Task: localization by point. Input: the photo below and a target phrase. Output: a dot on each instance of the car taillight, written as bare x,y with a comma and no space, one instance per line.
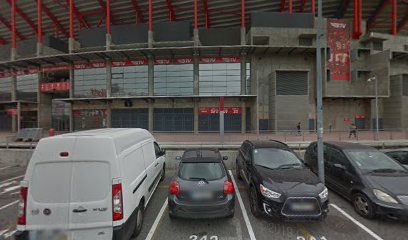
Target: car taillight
228,187
174,188
22,206
117,202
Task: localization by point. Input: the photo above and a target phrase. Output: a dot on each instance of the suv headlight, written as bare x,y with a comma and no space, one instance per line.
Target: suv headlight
324,194
269,193
382,196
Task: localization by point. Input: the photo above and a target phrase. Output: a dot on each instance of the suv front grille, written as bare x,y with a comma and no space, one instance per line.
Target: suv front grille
301,207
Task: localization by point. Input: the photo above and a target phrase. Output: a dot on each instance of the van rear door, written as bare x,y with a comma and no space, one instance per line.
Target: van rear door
91,190
49,177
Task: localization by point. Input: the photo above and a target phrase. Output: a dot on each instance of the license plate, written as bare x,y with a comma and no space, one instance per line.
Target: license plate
303,207
202,195
50,235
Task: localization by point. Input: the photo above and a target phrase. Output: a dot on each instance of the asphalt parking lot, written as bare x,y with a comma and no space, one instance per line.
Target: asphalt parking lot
342,222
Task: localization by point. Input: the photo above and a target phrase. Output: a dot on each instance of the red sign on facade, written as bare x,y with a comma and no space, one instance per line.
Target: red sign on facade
215,110
90,65
137,62
338,41
55,68
205,60
5,74
55,86
11,111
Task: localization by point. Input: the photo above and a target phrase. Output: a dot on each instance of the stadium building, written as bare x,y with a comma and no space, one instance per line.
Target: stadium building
164,64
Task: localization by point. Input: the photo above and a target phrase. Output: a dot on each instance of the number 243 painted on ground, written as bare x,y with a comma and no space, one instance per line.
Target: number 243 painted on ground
205,237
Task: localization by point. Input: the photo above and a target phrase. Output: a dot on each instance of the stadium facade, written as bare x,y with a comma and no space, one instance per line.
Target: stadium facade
163,65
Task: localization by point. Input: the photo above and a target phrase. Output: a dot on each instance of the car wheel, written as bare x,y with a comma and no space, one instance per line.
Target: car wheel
238,171
163,174
231,215
363,205
253,201
139,220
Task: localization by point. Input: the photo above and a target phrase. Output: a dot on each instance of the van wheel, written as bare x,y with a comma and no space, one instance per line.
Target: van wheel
139,220
363,206
163,176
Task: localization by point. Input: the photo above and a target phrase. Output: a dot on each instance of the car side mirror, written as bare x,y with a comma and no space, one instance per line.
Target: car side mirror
340,166
225,158
178,158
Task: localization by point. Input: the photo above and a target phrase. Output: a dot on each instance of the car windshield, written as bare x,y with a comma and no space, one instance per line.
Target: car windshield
273,158
201,154
204,171
375,161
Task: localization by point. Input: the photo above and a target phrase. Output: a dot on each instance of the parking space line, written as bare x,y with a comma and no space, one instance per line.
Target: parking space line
11,179
157,221
9,205
356,222
304,231
4,168
244,212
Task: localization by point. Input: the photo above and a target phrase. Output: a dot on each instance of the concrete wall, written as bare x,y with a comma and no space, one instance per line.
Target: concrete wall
220,36
394,105
15,157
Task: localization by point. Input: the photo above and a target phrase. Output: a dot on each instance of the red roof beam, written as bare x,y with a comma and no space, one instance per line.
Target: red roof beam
283,5
54,20
172,16
403,22
302,5
25,17
2,41
8,25
79,15
394,27
207,14
104,7
139,13
92,12
381,6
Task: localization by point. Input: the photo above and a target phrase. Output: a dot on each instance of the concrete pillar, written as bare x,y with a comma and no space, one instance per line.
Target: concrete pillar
13,54
44,107
71,95
108,41
108,115
243,74
243,36
108,78
13,98
196,67
151,75
195,116
40,49
150,116
150,39
18,116
196,38
243,117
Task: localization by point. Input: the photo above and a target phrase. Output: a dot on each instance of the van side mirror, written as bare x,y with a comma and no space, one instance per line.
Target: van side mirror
225,158
178,158
162,152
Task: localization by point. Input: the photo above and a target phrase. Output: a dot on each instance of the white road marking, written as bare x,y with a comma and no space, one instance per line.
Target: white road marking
4,168
244,212
10,189
11,179
157,221
9,205
7,184
10,234
15,193
356,222
2,232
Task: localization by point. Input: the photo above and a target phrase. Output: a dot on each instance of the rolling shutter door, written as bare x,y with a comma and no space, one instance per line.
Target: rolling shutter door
291,83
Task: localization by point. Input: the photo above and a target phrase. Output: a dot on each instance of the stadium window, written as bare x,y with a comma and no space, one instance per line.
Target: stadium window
130,81
220,79
27,87
90,83
174,80
5,89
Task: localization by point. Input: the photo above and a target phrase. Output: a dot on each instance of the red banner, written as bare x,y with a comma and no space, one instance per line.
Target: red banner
90,65
338,40
11,111
55,68
205,60
184,61
55,86
5,74
215,110
126,63
163,61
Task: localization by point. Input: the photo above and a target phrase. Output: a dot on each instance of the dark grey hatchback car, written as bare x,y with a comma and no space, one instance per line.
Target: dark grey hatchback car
202,187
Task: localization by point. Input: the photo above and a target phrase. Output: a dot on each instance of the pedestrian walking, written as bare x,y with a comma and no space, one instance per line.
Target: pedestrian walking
299,129
353,130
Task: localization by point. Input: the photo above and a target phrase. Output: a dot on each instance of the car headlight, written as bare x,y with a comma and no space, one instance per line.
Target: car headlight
269,193
324,194
384,196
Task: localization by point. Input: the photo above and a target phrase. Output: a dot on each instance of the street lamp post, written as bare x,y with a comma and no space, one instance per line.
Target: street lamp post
377,124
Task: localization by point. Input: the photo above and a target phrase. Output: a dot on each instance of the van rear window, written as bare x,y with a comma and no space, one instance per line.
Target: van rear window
51,182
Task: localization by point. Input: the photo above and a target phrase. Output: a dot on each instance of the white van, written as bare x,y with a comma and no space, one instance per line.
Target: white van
90,185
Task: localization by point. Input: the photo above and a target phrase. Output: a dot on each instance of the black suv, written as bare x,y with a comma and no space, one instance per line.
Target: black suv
280,185
372,181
